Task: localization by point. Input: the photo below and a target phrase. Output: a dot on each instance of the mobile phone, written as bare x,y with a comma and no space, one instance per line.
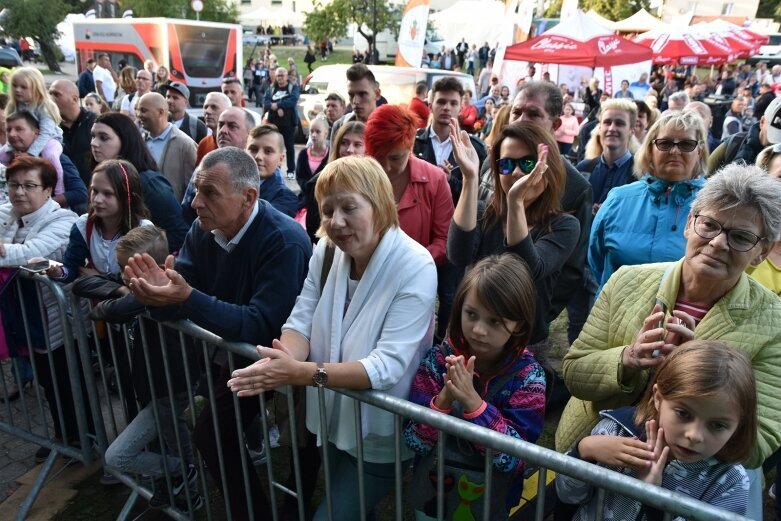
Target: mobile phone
657,352
39,266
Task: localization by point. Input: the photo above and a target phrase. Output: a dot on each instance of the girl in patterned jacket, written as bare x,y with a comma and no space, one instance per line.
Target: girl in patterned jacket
490,326
700,421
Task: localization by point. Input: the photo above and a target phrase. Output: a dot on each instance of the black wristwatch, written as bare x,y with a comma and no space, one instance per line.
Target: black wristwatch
320,378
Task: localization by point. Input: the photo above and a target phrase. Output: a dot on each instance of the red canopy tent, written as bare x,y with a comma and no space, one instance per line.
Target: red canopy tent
744,42
579,40
686,46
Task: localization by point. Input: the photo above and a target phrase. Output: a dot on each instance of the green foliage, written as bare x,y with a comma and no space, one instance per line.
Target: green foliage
213,10
553,10
613,10
769,9
331,20
38,20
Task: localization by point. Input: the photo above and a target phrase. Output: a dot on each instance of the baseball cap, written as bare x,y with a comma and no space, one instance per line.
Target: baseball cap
773,121
179,87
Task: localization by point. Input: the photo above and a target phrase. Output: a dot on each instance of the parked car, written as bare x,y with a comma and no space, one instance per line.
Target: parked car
9,58
397,85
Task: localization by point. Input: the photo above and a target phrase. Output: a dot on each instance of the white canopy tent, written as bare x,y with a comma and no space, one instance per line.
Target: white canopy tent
601,20
640,22
476,20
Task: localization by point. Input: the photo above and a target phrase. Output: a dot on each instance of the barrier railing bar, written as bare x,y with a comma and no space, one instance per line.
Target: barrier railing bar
542,478
217,436
441,475
241,440
267,451
37,485
294,449
657,497
600,504
397,466
359,453
326,458
489,475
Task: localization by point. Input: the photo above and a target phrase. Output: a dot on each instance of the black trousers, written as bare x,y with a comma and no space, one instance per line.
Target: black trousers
289,133
231,447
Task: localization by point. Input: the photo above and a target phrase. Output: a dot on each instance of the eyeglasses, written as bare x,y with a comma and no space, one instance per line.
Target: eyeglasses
507,165
738,240
26,187
685,145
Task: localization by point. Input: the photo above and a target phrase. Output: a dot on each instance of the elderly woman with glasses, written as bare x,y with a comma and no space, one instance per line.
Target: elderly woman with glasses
643,222
644,312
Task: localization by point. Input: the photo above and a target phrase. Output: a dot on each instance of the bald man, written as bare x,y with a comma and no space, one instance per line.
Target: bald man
214,105
76,126
707,117
172,149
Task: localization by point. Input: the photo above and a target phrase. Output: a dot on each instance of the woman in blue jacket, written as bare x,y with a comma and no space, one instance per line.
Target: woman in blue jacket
643,222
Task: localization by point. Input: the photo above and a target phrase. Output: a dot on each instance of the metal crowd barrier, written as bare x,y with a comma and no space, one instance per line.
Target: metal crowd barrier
112,405
32,418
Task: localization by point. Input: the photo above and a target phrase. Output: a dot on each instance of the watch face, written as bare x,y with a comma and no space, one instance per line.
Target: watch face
320,377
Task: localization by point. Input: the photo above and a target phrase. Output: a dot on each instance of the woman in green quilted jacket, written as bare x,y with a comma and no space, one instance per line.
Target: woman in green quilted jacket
644,312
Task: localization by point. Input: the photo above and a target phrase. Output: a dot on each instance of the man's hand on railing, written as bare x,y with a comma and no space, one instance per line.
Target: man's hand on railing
154,286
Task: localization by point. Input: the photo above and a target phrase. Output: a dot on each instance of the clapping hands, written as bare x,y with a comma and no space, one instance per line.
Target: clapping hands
459,384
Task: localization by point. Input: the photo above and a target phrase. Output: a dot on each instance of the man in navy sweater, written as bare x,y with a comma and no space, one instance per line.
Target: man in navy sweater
238,274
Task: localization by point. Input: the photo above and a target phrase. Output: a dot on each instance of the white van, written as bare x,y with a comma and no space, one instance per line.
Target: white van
397,85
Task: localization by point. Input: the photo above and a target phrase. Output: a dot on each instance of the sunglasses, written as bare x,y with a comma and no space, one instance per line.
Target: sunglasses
686,145
507,165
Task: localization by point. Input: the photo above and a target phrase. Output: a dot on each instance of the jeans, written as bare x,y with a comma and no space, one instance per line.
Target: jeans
378,481
289,134
127,452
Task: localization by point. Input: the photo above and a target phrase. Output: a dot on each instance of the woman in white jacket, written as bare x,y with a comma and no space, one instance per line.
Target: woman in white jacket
366,329
32,225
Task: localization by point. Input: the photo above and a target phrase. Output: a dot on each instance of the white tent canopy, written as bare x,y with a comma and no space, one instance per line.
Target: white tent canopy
265,16
640,22
601,20
476,20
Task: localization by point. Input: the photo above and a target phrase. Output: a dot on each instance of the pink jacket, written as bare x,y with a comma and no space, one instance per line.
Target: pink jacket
426,207
568,130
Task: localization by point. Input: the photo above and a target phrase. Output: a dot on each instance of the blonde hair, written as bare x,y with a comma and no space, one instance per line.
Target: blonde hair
39,96
365,176
594,146
685,121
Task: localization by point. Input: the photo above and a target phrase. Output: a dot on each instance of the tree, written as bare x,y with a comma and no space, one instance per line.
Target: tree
213,10
36,19
331,20
613,10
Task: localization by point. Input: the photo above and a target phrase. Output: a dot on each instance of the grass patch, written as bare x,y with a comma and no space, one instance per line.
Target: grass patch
297,52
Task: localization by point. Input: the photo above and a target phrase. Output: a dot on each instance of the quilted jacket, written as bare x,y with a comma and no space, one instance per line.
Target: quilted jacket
747,318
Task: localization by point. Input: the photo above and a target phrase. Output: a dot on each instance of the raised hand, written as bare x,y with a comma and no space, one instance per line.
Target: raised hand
616,451
463,152
649,339
528,187
461,384
655,471
154,286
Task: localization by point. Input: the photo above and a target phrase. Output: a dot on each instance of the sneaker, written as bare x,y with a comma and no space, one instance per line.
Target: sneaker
197,502
42,454
772,491
109,479
160,498
178,483
258,457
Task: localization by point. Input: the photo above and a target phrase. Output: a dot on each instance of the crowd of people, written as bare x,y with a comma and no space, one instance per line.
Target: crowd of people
425,252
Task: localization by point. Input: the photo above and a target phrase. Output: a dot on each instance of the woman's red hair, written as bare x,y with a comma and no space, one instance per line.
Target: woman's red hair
389,127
